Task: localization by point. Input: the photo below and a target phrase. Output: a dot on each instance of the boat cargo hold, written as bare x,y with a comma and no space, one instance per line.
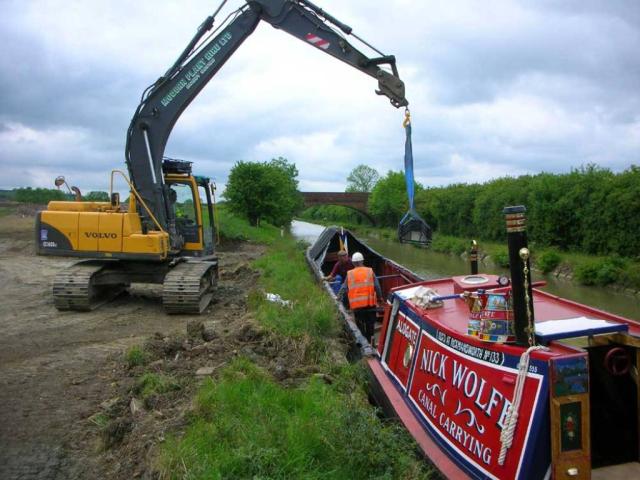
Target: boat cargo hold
495,378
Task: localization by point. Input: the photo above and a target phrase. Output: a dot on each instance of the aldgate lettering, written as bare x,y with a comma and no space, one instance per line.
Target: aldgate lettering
100,235
405,330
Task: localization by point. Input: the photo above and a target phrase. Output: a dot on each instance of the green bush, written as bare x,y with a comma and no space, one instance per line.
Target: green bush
630,276
135,356
388,201
501,257
608,273
548,261
154,384
447,244
600,272
587,273
264,191
39,195
459,246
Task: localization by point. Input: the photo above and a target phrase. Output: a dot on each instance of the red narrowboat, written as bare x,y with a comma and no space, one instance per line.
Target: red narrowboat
493,377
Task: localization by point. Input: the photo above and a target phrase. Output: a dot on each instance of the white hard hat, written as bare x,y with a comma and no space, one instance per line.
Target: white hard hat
357,257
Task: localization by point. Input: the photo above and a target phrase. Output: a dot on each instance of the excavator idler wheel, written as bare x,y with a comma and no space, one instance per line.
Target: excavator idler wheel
75,288
188,287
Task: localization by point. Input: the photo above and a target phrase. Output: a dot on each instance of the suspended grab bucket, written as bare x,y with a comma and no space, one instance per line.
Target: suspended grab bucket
412,228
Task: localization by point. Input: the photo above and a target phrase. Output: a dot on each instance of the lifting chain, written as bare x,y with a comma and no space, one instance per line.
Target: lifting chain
524,255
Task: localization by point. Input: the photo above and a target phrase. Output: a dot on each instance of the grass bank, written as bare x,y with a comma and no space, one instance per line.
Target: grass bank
247,424
236,229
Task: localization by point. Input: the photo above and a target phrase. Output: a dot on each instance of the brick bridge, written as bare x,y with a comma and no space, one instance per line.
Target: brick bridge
358,201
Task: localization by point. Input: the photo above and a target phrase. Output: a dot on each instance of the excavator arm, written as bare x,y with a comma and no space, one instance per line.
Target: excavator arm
164,101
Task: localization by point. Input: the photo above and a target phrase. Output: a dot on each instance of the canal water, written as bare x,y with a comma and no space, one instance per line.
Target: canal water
431,265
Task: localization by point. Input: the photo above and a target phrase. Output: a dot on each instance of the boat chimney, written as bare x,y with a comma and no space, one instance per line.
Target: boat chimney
473,257
522,296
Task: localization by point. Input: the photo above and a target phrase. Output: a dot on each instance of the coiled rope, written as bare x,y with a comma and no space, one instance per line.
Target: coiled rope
506,436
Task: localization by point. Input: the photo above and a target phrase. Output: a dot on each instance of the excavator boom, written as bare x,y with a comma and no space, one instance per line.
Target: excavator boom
165,100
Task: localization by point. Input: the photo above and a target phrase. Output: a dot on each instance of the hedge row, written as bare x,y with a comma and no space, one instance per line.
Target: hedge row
591,209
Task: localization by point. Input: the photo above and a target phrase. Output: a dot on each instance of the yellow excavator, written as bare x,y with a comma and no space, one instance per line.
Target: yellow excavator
165,232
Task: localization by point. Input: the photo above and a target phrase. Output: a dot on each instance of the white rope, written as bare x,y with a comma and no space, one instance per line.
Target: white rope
506,436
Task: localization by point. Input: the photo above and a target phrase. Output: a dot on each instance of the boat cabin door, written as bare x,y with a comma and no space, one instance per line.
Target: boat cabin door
595,398
614,395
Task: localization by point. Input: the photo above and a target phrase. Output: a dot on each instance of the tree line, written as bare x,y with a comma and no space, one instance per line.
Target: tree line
43,196
589,209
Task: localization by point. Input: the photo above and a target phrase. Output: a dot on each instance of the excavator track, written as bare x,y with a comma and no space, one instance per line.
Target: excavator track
75,288
188,287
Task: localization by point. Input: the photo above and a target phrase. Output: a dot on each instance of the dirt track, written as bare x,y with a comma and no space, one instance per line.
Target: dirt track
56,368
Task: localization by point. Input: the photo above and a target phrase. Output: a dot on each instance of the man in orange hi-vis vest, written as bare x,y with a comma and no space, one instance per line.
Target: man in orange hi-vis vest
363,290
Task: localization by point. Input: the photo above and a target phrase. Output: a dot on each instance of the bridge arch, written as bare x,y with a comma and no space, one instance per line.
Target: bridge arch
358,201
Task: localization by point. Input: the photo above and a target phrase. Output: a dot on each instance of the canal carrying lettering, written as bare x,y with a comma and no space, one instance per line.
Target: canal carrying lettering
473,386
465,399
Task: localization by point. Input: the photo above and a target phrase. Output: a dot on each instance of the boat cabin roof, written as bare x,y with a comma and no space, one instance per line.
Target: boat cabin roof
555,317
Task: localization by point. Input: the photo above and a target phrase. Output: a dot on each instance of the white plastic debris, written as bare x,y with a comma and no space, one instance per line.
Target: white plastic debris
424,297
275,298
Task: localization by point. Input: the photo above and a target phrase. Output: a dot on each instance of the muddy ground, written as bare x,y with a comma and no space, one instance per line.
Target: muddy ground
66,408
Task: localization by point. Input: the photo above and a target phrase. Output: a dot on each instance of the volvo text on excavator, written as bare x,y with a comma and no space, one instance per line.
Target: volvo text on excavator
165,233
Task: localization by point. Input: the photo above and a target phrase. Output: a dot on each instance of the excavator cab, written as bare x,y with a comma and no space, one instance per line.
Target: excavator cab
189,199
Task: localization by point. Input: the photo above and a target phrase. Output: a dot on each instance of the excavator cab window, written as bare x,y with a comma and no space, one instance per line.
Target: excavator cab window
207,217
185,212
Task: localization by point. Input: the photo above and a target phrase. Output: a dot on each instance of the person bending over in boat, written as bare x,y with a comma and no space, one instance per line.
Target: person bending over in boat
362,289
342,266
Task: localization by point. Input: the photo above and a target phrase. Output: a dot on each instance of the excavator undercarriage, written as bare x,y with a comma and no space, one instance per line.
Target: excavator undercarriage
187,287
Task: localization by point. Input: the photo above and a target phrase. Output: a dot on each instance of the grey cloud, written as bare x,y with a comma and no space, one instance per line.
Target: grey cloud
576,60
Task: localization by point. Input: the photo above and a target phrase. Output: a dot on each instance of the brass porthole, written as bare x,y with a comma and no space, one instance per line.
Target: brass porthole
408,353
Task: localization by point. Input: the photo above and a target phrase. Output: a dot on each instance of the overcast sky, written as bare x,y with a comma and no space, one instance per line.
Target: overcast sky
496,88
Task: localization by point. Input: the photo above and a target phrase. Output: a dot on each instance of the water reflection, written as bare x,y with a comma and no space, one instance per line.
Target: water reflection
432,265
306,231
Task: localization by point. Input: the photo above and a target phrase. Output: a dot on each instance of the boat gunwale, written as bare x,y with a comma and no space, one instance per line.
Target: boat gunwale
366,349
